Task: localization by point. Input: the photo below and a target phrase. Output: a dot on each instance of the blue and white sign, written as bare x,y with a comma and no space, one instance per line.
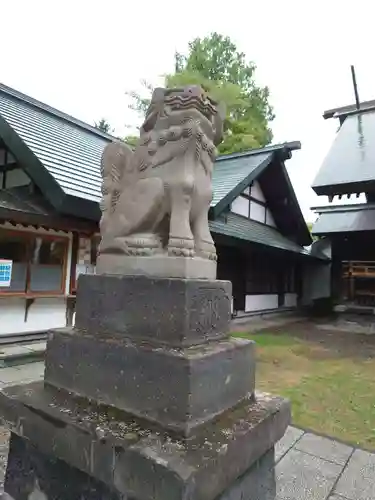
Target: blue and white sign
5,272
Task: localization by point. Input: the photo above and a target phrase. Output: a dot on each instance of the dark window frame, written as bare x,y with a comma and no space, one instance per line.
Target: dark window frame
258,202
29,238
267,275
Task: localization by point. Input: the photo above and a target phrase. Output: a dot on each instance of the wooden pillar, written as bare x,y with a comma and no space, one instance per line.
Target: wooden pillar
70,301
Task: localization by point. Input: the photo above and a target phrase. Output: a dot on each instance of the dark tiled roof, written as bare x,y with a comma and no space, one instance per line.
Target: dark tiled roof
347,218
20,200
321,248
229,173
240,227
20,205
350,163
70,150
234,172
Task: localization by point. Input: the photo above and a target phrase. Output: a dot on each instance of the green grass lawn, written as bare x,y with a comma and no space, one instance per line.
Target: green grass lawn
331,392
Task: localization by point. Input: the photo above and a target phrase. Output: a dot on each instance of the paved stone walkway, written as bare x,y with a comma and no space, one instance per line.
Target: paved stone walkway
308,466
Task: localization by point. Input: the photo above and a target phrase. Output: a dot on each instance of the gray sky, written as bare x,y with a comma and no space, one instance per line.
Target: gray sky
81,56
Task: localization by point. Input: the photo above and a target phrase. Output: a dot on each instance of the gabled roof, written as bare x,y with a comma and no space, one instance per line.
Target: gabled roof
234,172
232,175
283,204
349,166
60,153
62,156
249,230
345,218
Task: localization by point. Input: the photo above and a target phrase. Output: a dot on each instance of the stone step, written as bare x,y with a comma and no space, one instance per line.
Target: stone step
20,354
23,338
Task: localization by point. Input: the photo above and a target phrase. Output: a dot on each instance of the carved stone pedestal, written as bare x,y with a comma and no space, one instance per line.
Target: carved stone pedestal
147,398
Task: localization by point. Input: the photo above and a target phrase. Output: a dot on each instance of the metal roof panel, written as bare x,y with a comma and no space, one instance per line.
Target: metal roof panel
351,159
345,221
229,173
69,152
250,230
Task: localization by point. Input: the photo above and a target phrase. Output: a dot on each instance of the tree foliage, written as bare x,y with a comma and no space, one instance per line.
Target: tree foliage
310,226
104,126
215,63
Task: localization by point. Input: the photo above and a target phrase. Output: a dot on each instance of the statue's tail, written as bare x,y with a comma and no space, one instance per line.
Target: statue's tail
116,163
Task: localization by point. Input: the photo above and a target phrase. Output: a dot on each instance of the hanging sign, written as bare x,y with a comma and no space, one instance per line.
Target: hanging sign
5,272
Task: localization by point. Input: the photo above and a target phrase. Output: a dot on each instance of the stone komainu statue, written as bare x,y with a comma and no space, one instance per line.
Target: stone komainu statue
156,198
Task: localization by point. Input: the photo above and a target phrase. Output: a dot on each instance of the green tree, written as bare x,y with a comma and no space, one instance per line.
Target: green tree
104,126
215,63
131,140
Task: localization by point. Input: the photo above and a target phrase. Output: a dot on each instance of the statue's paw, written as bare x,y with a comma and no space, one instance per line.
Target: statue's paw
181,247
213,256
208,255
143,244
180,252
141,252
206,249
181,243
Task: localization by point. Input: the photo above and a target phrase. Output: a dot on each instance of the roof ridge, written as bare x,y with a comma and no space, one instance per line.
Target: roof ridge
53,111
293,145
348,109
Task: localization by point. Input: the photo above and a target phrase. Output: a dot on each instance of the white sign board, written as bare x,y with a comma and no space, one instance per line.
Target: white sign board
5,272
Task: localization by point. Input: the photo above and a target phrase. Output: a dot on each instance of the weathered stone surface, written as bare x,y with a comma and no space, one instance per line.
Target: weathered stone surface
177,388
32,475
172,311
258,483
30,472
156,199
142,464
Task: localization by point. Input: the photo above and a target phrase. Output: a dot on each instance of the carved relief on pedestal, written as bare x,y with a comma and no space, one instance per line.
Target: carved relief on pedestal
156,198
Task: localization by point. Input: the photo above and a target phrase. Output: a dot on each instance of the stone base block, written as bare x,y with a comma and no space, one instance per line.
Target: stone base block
121,459
31,474
175,312
157,265
178,389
